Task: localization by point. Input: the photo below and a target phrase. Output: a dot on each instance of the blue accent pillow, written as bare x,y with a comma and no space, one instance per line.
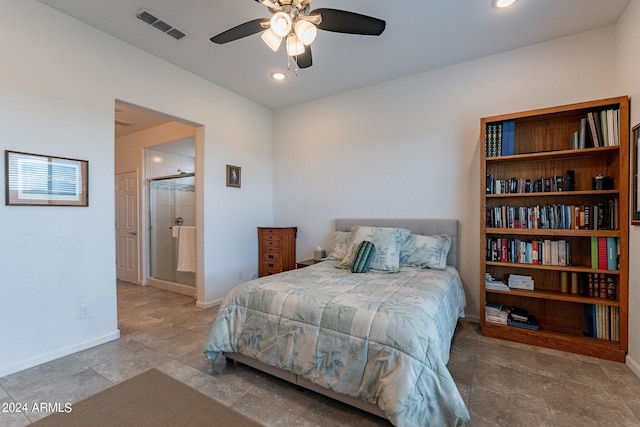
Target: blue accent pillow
363,257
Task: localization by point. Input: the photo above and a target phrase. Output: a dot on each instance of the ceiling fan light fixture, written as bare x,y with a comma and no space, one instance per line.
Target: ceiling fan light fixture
504,3
271,39
306,32
294,45
281,24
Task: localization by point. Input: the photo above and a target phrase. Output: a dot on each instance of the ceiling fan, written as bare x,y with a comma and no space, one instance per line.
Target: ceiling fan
293,21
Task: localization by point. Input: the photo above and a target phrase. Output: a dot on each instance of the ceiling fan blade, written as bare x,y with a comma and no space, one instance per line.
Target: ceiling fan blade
304,60
341,21
240,31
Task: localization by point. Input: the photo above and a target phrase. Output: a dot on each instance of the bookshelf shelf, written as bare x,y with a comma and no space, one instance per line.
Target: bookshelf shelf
552,233
568,268
558,296
524,152
555,154
550,194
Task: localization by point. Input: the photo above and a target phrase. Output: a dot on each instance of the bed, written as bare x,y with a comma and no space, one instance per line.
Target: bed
378,341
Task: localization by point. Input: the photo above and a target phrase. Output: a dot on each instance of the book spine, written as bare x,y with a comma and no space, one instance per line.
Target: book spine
604,127
612,253
594,253
602,280
611,287
498,134
602,253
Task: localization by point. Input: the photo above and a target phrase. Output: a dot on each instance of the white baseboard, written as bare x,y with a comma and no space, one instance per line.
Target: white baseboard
633,365
209,304
172,287
58,353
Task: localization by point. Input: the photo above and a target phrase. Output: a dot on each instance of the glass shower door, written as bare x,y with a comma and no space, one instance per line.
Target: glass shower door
171,203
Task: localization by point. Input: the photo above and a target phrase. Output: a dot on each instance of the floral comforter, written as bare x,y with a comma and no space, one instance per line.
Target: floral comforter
384,338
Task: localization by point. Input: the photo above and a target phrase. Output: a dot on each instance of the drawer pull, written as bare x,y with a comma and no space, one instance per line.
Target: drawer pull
270,256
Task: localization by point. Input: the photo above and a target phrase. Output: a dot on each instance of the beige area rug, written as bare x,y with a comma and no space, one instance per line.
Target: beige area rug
149,399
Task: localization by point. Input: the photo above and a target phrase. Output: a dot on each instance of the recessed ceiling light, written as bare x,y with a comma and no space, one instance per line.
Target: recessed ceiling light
278,76
504,3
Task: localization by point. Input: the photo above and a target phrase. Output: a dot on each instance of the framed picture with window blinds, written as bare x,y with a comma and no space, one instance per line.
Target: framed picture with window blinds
42,180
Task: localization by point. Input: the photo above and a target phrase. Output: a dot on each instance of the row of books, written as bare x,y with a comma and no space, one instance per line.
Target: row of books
599,216
530,185
500,138
603,128
600,285
540,251
531,217
605,253
597,129
602,322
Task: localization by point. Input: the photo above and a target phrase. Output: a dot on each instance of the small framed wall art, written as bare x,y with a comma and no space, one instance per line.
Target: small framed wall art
39,180
233,176
635,177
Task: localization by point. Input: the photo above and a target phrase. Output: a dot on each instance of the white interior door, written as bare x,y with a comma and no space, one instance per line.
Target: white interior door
127,247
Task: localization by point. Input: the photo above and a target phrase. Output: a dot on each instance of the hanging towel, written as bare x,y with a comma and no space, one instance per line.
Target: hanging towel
175,230
187,249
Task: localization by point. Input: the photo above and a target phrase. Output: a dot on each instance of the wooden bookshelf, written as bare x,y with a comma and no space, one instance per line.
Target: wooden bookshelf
542,147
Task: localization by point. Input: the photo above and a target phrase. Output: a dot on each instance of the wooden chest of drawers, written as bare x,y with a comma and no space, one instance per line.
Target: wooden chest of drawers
276,249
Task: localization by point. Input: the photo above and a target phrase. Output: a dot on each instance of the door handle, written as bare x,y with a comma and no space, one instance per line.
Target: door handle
133,233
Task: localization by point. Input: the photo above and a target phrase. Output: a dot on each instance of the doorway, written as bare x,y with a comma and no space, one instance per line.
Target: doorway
142,138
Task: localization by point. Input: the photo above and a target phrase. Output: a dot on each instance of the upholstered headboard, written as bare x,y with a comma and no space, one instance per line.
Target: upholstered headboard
424,227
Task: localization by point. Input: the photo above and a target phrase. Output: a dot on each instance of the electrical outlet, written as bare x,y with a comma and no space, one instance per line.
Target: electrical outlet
241,275
85,311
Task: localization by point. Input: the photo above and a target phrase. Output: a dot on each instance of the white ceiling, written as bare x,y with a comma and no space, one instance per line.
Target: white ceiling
130,119
420,35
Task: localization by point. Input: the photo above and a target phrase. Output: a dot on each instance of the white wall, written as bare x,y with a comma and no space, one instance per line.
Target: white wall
58,84
410,148
628,67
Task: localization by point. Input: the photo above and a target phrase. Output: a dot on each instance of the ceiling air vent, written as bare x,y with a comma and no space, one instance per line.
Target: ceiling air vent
150,19
177,34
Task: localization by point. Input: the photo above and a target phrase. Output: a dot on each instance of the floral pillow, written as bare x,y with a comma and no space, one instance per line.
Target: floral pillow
341,240
426,251
387,241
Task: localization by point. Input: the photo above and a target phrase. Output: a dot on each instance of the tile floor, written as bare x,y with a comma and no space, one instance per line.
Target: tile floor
503,383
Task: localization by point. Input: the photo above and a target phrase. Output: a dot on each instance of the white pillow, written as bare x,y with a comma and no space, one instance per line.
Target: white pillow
341,240
426,251
387,242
